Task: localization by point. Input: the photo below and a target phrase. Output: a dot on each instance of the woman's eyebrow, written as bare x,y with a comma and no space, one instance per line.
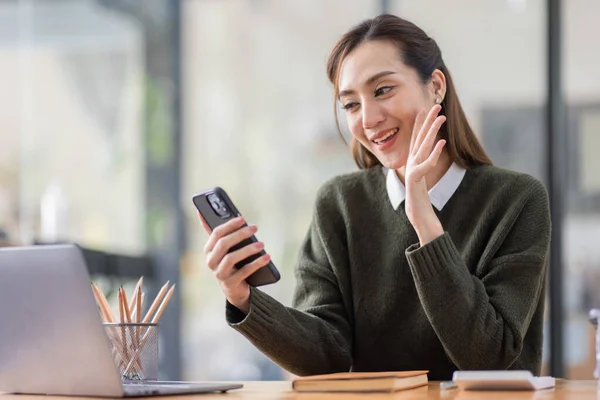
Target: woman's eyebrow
378,76
367,82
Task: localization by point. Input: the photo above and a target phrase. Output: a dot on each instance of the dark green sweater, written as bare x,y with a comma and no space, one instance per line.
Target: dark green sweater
369,298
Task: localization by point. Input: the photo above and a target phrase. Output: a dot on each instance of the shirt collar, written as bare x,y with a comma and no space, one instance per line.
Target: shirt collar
439,194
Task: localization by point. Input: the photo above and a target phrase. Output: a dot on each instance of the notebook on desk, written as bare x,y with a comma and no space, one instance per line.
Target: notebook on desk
52,338
358,382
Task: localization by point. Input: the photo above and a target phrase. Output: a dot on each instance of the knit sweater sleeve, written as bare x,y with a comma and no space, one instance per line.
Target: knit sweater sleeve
314,336
482,318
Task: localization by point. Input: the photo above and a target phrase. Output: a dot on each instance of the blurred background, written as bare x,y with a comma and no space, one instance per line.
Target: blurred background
113,113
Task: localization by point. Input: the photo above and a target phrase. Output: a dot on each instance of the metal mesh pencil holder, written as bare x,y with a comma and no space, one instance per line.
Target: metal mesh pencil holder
134,347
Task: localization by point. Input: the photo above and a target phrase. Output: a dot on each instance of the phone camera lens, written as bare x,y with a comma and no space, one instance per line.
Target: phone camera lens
218,205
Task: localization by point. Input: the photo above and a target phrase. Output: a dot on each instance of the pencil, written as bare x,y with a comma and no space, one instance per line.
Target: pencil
155,303
163,305
129,329
117,344
132,342
122,321
103,303
138,288
134,313
121,308
103,313
138,315
146,336
126,306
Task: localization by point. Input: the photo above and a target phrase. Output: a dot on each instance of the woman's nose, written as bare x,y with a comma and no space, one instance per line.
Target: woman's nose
372,115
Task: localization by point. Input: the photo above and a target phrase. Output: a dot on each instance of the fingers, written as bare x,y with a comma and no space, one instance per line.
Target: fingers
419,120
437,151
243,273
222,261
226,243
423,169
221,231
220,250
425,127
227,265
425,149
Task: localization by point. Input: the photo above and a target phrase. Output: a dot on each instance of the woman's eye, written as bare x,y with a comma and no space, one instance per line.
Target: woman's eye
383,90
349,106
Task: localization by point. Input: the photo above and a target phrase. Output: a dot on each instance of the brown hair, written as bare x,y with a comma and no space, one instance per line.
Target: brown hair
420,52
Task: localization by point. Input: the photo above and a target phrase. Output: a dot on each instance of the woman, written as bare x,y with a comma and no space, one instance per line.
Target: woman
427,258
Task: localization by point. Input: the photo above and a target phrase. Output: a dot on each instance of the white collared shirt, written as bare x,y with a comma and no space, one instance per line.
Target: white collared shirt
438,194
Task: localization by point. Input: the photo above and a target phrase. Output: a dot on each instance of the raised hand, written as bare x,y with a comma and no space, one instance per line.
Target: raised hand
422,159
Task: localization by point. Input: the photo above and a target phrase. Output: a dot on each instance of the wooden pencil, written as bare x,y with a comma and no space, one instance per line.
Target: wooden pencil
103,312
155,320
121,306
126,306
103,303
138,288
163,305
117,343
156,303
138,314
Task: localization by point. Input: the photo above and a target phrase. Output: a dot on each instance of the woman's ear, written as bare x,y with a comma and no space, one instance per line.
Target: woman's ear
438,85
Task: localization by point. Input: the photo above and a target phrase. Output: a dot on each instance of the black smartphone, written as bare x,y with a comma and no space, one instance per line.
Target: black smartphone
217,208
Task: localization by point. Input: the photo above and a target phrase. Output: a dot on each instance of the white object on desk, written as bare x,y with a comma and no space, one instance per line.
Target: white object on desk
501,380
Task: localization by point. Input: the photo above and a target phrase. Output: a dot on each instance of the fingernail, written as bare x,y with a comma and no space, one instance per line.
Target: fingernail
260,245
253,228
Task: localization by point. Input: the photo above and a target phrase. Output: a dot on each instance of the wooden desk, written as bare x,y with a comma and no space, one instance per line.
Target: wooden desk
564,390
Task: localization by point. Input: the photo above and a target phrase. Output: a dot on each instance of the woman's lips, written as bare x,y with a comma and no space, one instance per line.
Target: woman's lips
387,140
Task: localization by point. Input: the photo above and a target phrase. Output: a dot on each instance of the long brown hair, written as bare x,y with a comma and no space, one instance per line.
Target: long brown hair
420,52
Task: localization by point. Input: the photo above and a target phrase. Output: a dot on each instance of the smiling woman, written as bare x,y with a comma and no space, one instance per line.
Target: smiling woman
411,72
427,258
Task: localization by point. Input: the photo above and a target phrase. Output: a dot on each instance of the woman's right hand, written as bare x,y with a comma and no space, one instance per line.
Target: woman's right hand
222,263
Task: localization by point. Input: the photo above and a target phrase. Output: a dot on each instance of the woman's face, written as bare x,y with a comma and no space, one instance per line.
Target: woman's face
381,97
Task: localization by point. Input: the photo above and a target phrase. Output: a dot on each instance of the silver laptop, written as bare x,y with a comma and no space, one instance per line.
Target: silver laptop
51,336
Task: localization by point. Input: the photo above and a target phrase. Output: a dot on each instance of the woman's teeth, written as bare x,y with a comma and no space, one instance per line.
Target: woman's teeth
387,136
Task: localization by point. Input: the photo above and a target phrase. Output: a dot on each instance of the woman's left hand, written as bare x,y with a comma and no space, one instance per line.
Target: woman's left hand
423,157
